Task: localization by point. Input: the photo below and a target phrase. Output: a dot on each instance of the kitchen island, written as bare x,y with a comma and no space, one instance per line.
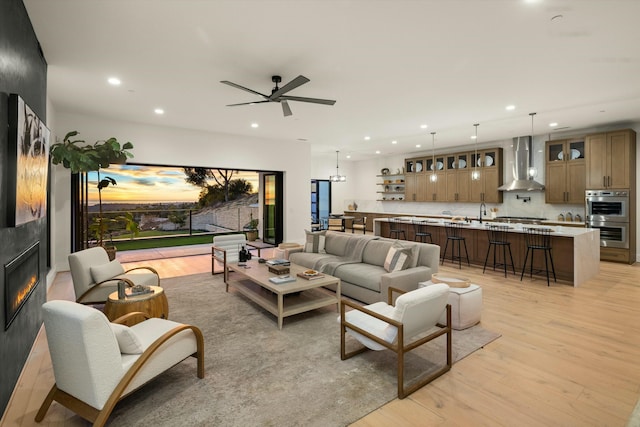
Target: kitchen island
576,250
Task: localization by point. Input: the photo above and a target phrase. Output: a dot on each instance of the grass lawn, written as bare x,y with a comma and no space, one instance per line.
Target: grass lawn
131,245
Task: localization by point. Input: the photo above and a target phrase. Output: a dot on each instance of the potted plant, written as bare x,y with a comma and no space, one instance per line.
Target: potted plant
251,229
76,155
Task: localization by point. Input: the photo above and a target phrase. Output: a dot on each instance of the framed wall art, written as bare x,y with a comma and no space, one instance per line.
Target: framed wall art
28,164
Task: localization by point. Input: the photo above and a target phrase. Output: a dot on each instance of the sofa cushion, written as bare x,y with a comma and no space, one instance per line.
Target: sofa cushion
398,258
315,241
103,272
336,243
376,252
360,274
128,341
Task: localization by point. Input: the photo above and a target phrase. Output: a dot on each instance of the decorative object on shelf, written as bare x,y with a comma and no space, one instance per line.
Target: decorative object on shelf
355,206
385,171
433,176
494,213
337,177
568,217
475,175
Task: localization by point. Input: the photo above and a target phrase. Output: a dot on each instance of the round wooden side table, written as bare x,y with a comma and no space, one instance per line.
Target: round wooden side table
154,304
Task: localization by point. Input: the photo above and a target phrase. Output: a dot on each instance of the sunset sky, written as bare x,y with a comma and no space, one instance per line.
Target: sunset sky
150,184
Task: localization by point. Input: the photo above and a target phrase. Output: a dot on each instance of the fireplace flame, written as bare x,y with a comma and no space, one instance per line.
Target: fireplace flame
24,292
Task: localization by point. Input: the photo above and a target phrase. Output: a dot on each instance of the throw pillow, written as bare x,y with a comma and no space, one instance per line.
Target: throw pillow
398,258
128,341
100,273
315,241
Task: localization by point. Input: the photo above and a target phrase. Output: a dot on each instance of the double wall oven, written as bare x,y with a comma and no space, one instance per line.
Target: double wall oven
608,210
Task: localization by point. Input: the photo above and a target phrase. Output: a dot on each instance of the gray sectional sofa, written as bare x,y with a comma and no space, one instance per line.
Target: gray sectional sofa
358,260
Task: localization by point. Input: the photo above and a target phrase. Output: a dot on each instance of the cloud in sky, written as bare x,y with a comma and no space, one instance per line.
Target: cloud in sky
137,183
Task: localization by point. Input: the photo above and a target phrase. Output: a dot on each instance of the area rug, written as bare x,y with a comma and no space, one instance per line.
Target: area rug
258,375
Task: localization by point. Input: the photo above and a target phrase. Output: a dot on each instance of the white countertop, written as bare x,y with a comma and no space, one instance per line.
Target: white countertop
558,230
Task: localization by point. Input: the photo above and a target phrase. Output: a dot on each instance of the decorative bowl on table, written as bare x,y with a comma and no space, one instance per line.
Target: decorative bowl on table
310,273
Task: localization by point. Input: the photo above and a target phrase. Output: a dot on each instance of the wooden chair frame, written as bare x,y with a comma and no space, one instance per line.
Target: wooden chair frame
398,347
359,224
99,417
219,254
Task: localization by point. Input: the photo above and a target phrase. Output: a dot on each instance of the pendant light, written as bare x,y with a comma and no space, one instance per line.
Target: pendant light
532,172
337,177
433,177
475,175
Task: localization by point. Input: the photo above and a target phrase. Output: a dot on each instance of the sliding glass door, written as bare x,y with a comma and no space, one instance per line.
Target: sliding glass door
272,231
320,200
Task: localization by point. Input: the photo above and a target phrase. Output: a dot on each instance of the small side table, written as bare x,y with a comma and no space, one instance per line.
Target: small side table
258,245
466,305
154,304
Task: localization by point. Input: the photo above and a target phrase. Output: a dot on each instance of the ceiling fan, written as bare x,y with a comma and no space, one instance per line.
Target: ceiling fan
278,94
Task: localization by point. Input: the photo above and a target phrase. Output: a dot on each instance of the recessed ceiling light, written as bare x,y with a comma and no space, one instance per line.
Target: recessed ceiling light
394,142
159,111
418,145
423,126
254,125
377,151
114,81
552,125
510,107
348,156
473,137
366,138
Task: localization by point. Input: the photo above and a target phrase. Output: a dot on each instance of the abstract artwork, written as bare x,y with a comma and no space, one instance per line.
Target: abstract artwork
31,154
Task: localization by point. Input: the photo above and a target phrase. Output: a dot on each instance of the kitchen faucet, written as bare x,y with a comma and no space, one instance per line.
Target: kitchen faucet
482,211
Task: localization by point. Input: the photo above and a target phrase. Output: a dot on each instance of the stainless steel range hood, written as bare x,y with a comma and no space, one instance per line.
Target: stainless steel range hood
521,165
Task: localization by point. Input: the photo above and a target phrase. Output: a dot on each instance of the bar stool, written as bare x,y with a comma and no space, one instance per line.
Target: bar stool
498,237
421,231
538,239
453,230
395,230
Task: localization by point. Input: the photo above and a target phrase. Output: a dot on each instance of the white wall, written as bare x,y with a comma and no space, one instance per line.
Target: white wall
157,145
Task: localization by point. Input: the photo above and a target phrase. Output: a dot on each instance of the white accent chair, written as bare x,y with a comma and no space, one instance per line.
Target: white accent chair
226,249
399,328
95,276
96,363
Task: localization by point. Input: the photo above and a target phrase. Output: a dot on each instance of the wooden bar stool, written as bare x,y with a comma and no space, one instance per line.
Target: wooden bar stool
395,230
498,237
538,239
453,230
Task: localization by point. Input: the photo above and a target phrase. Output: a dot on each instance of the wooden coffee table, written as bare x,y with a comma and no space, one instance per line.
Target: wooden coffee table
253,282
154,304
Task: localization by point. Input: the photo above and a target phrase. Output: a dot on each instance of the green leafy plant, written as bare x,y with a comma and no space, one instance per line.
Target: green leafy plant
80,157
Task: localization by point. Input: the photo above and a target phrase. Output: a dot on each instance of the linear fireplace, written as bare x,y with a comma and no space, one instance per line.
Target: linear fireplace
21,276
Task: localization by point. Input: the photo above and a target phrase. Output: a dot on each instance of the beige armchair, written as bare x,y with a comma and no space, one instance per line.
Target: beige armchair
96,363
399,328
226,249
95,277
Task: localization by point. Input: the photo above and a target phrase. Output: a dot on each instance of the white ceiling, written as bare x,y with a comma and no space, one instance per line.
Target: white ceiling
391,65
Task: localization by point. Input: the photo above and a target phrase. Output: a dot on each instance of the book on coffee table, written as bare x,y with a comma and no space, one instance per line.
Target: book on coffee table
282,279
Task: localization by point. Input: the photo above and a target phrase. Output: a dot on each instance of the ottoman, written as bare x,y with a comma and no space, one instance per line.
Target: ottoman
466,305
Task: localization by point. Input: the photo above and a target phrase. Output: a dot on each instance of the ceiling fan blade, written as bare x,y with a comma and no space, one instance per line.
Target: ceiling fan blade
298,81
303,99
243,88
247,103
285,108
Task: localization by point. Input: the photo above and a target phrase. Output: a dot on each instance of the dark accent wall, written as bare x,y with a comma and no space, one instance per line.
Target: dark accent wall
23,70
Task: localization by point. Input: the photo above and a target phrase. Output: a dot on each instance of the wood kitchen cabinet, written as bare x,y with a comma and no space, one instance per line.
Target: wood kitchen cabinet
436,190
566,171
610,157
489,166
458,176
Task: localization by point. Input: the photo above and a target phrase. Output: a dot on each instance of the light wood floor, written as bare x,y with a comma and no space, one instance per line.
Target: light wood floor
567,357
